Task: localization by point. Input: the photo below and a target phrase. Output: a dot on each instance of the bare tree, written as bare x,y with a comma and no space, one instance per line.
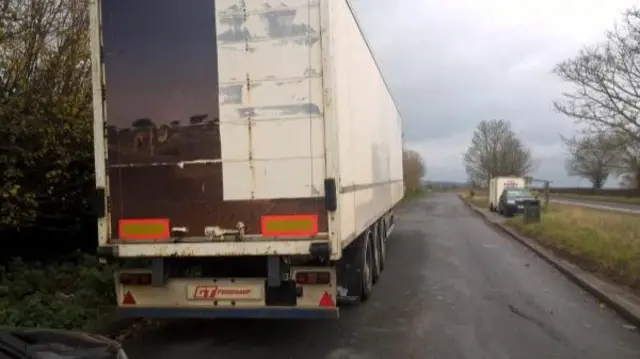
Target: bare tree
629,164
629,181
606,80
606,95
594,157
414,169
495,150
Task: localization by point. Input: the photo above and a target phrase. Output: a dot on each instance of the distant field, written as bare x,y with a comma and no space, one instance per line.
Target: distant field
479,201
615,195
607,192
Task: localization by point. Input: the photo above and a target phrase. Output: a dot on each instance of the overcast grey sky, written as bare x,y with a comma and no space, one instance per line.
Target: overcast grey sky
451,64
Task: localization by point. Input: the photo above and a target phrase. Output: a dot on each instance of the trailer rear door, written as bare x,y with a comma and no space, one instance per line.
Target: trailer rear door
213,117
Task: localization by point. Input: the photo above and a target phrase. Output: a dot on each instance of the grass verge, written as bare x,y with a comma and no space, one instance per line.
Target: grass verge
481,201
603,242
74,294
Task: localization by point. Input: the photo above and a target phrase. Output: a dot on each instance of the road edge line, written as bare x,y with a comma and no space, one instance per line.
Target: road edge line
598,207
608,293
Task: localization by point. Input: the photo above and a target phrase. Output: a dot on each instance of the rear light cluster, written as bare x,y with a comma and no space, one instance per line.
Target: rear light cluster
135,278
313,277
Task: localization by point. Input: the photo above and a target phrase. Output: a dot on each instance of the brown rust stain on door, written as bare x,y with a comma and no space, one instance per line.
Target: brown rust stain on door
163,126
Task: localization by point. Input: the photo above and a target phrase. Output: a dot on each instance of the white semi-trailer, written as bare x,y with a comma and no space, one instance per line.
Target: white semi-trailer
248,155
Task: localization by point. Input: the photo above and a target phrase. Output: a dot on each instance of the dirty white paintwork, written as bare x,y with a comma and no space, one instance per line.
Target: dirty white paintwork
271,125
369,129
178,292
301,100
264,246
99,109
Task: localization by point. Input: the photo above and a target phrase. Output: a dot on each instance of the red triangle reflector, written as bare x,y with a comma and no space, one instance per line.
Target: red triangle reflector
128,298
327,300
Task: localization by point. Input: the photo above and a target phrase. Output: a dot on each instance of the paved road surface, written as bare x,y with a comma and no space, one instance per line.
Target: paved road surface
453,289
617,207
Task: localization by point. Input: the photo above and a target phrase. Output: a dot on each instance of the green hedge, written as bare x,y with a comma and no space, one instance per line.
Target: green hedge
74,294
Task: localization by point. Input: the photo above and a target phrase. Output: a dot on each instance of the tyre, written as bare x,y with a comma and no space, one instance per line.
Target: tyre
375,241
382,244
367,267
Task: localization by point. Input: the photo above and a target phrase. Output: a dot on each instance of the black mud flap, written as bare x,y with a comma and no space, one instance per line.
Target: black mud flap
284,295
350,273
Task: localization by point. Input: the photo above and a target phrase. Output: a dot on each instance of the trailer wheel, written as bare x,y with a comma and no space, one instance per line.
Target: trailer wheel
367,267
375,241
382,243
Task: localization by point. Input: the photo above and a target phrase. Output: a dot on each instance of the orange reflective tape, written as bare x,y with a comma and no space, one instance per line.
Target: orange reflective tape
144,229
290,225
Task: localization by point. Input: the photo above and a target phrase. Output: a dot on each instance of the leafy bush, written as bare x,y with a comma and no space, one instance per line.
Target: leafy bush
75,294
46,168
46,156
